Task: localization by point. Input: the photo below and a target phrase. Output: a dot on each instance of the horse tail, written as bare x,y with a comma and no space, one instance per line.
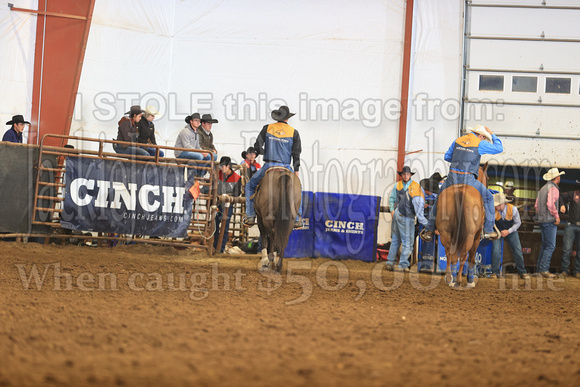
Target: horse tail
284,222
459,236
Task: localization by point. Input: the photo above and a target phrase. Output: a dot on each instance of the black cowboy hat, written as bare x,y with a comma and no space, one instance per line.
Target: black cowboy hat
282,114
208,118
250,150
225,160
135,109
432,183
192,116
406,169
18,119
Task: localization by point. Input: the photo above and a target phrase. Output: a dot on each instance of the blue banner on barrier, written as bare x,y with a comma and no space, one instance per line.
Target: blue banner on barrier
301,242
113,196
482,258
345,226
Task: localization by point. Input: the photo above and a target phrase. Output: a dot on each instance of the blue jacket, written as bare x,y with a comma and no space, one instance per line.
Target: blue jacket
12,135
279,142
465,152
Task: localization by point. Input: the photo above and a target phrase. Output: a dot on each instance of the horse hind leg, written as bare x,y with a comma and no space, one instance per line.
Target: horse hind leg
451,271
460,270
471,269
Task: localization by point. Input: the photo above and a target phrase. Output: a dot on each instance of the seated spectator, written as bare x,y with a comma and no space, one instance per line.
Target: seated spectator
250,165
147,130
14,134
229,183
206,136
129,132
189,138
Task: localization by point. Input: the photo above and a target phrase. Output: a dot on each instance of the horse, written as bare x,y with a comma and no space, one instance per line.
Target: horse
277,202
460,218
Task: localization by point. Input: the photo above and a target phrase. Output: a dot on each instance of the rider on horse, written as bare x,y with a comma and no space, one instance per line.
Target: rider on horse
464,155
280,144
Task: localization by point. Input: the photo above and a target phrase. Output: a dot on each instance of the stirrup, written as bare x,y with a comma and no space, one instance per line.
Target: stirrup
299,224
249,221
426,235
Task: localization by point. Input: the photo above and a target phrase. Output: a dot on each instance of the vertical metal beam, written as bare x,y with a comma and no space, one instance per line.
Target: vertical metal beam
405,86
61,38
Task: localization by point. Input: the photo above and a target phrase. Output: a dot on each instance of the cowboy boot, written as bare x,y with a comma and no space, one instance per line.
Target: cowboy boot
426,235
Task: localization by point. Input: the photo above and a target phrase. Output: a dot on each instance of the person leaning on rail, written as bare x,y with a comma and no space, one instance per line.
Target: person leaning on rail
129,132
464,154
206,135
14,134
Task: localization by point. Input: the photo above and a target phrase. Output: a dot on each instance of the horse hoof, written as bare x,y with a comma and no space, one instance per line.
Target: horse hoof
470,285
264,268
451,284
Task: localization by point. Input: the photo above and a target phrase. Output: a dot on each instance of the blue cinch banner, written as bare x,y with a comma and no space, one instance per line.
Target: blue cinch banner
301,242
345,226
112,196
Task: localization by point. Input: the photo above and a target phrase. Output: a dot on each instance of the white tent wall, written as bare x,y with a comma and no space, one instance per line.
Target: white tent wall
336,64
17,44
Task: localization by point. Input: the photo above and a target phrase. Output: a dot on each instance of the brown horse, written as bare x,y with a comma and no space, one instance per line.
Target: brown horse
460,218
277,203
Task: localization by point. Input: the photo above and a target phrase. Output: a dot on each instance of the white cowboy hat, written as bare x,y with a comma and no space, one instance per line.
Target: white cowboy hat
151,110
552,174
499,198
480,129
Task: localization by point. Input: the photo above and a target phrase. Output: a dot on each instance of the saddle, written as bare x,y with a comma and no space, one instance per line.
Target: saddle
276,168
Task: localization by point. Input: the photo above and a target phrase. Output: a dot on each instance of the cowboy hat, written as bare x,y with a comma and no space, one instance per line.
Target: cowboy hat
282,114
192,116
250,150
552,174
432,183
151,110
135,109
480,129
406,169
499,198
208,118
18,119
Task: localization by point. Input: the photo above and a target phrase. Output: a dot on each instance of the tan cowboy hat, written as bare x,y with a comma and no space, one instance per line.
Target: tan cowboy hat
480,129
498,199
552,174
151,110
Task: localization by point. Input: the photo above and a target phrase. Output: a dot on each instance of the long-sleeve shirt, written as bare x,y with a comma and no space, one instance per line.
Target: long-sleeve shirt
465,152
12,135
419,205
515,216
393,197
279,142
187,138
572,199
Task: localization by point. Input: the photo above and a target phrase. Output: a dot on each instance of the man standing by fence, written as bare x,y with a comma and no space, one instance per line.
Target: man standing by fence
547,211
572,233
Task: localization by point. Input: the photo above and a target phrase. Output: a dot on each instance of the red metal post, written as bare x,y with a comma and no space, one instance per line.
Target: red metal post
62,31
405,86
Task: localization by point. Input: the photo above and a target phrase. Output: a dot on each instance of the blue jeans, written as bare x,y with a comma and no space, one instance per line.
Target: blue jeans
195,156
548,230
151,152
513,241
219,218
253,183
130,150
402,232
571,233
469,179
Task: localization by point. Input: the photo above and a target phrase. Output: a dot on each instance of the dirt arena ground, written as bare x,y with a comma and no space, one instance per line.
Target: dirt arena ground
144,315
